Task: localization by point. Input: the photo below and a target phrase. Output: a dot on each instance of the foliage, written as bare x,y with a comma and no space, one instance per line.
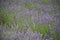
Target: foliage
56,36
5,17
30,5
45,1
43,29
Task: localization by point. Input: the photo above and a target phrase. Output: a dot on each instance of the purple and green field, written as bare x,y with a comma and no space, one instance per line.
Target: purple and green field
29,19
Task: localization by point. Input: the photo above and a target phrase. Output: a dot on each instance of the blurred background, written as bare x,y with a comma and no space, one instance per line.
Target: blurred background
29,19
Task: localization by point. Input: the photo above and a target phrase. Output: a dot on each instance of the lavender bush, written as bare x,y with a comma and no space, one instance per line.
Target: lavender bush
29,20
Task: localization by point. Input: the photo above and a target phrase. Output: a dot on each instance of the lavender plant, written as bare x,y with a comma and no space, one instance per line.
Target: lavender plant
29,23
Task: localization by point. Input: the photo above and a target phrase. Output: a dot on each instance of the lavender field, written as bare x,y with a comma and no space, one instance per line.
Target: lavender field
29,19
